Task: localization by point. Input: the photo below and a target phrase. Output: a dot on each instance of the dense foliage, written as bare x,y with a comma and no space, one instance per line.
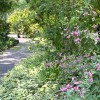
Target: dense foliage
63,78
5,41
66,64
21,22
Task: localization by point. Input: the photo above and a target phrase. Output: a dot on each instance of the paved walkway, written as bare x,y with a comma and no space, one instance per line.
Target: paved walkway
12,56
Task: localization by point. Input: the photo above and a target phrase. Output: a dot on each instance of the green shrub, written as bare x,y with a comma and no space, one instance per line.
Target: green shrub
23,21
8,43
66,65
42,79
5,41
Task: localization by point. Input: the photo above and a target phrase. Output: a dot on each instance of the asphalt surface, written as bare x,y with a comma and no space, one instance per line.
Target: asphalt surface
15,54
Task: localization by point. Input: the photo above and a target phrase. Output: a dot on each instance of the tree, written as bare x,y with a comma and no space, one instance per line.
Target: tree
5,5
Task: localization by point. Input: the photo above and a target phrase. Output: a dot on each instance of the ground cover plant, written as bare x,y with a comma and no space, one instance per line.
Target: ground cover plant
53,76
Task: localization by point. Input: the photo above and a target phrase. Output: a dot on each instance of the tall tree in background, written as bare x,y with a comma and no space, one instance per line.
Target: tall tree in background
5,6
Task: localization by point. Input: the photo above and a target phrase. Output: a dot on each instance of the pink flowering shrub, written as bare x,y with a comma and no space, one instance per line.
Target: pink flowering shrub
73,64
68,62
77,41
74,75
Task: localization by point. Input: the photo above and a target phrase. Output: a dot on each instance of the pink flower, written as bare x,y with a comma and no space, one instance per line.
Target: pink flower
76,88
90,76
98,39
98,67
94,26
77,40
63,89
68,36
77,82
67,87
76,33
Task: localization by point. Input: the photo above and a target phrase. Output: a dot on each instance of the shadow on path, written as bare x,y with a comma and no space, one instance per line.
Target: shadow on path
12,56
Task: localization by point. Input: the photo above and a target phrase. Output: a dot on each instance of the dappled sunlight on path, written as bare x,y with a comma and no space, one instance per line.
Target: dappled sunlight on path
12,56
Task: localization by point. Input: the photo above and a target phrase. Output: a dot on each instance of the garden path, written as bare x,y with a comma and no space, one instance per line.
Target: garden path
12,56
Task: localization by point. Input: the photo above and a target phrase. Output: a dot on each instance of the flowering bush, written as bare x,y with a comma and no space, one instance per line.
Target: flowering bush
64,77
67,63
